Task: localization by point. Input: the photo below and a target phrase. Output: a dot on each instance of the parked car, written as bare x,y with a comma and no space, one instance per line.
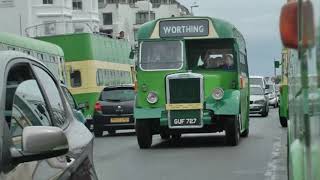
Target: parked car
259,80
114,110
272,94
39,136
259,101
76,109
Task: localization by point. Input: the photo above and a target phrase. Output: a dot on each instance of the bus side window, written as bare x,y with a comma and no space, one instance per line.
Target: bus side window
243,64
11,48
75,78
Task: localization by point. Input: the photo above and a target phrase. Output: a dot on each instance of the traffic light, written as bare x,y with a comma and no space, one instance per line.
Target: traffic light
276,64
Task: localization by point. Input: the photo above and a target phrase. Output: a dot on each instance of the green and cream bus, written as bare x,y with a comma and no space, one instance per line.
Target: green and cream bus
192,77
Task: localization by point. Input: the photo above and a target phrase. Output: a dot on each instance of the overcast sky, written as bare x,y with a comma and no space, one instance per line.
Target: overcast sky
257,20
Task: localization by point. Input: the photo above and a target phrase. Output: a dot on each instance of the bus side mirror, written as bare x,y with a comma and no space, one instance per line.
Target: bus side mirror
289,24
276,64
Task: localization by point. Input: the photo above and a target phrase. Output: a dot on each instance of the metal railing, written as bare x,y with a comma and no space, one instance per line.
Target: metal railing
60,28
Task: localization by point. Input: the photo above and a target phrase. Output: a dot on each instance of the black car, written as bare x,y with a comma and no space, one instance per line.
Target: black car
114,110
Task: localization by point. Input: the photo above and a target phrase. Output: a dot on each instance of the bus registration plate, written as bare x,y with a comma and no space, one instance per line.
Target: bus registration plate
185,119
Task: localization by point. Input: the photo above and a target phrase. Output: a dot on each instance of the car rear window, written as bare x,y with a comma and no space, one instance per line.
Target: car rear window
117,95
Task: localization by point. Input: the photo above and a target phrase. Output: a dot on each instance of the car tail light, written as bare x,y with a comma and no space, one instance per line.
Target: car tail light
98,107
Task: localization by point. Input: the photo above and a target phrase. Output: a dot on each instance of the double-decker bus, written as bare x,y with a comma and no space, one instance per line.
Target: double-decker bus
93,61
300,32
192,77
50,54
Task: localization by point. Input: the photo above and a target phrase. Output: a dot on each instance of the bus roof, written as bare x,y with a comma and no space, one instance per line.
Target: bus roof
223,28
30,44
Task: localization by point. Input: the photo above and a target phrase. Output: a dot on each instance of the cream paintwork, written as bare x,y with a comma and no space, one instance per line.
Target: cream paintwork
88,71
212,31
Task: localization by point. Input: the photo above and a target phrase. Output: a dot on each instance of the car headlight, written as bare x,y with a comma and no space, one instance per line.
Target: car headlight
217,93
152,98
260,102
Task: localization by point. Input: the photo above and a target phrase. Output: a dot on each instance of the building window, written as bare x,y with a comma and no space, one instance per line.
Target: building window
47,1
77,4
75,78
112,1
132,1
142,17
107,18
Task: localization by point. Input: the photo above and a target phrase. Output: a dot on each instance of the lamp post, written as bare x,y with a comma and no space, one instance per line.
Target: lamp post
193,6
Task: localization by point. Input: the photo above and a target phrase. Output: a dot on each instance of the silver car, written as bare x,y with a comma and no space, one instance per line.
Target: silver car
39,136
259,101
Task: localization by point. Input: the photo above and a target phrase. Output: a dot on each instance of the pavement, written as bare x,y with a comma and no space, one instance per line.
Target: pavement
262,155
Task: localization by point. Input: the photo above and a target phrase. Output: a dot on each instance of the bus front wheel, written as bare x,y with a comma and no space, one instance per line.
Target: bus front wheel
144,133
283,121
233,131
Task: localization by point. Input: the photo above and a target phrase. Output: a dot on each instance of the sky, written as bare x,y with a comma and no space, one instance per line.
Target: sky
257,20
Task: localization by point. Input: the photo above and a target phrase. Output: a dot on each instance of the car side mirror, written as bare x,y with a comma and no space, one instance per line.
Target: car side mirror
40,142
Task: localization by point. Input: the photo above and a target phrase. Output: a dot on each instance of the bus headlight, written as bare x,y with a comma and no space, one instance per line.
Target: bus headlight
152,98
217,93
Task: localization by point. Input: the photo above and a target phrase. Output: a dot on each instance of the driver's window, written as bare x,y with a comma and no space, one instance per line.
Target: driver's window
25,105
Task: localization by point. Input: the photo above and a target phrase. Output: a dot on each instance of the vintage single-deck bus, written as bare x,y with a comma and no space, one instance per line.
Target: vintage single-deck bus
299,27
50,54
192,77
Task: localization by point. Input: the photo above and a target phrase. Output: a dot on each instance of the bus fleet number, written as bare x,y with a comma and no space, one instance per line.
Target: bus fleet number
187,121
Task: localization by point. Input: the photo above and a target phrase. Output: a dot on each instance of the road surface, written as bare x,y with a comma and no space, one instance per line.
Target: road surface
196,157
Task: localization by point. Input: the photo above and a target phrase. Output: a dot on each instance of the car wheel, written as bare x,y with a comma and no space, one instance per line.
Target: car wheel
112,132
283,122
144,133
164,136
97,132
232,131
265,112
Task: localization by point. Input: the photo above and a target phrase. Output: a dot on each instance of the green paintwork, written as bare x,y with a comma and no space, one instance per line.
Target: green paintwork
297,160
223,28
90,98
87,46
30,44
233,99
283,106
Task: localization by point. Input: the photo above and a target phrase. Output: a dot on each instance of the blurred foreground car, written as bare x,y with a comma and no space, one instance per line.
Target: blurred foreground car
114,110
259,102
39,136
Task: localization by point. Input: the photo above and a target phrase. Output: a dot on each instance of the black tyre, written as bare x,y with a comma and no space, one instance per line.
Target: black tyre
265,112
97,132
284,122
245,133
112,132
232,131
144,133
176,136
164,136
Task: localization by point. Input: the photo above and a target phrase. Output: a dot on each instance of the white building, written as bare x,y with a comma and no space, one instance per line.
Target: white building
128,15
48,17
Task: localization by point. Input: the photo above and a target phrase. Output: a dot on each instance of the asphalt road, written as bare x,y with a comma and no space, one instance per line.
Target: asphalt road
196,157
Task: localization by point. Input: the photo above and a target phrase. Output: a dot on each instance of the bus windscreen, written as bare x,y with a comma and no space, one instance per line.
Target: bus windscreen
161,55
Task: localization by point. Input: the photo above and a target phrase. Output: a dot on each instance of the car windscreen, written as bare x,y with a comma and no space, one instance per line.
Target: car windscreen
117,95
161,55
256,91
256,81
